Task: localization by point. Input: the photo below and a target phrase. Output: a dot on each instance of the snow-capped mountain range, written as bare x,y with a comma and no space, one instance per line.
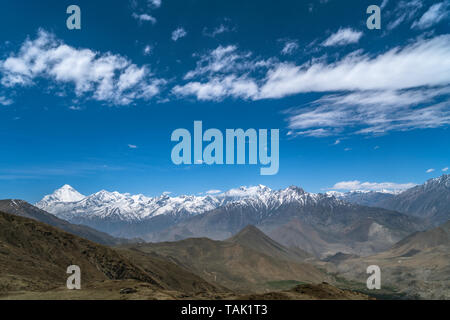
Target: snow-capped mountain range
69,204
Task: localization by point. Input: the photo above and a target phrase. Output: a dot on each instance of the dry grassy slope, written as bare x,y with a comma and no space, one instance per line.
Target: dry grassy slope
235,265
24,209
34,257
322,291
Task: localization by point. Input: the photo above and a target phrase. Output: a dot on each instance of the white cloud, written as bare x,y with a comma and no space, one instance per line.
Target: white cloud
178,34
154,3
342,37
104,77
445,169
218,88
214,191
75,108
132,146
225,72
373,112
5,101
371,186
337,142
216,31
430,170
144,17
402,89
289,47
424,63
436,13
148,50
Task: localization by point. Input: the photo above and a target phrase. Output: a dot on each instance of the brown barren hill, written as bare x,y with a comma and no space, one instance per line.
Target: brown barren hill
248,262
35,256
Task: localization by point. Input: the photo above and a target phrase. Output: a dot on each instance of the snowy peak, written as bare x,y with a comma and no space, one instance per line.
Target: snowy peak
64,194
442,181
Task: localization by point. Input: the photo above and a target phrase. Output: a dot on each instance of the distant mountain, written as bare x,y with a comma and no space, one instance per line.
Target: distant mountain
339,257
253,238
248,261
430,200
318,223
424,240
34,257
364,198
126,215
24,209
418,265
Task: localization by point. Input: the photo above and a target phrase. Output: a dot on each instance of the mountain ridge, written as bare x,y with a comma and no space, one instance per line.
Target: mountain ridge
24,209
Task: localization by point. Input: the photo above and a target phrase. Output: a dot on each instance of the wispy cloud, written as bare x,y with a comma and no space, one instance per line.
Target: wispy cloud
223,60
405,11
316,133
343,37
290,47
132,146
373,112
430,170
214,191
445,169
371,186
178,34
435,14
222,28
5,101
104,77
424,63
144,17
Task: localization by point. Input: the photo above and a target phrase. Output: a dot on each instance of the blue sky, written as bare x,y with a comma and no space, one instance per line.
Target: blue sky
95,108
